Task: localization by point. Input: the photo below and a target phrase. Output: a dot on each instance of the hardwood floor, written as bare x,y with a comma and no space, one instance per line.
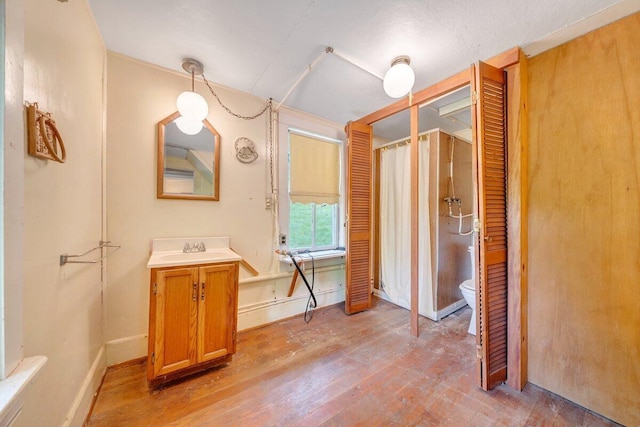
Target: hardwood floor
338,370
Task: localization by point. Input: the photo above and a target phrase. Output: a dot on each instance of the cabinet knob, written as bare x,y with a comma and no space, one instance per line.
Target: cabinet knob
194,294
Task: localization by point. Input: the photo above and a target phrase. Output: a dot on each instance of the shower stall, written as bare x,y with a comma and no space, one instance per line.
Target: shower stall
446,201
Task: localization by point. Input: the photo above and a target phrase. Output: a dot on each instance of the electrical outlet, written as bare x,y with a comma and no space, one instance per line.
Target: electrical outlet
283,239
268,203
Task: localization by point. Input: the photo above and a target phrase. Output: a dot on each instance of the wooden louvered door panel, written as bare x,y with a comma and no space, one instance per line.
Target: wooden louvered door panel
491,168
358,232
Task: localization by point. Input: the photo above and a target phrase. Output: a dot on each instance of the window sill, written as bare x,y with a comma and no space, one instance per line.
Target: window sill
13,388
317,256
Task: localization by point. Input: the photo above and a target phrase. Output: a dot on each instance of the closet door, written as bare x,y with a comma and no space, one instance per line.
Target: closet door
488,85
358,216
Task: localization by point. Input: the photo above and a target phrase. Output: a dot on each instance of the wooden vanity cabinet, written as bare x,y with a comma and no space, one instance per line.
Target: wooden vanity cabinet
192,319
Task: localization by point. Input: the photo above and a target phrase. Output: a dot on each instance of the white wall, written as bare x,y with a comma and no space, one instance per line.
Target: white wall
139,96
63,70
13,187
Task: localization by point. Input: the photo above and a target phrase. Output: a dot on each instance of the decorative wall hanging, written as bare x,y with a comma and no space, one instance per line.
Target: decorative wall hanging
44,139
245,150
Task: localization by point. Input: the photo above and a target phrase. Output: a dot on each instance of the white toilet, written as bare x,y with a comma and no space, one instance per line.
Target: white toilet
468,288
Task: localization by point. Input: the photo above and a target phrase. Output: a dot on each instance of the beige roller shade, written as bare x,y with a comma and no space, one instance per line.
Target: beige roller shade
314,170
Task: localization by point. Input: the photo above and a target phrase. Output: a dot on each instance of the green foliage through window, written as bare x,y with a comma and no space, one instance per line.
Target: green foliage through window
312,226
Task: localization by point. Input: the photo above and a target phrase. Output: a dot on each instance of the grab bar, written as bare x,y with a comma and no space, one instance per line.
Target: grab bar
64,258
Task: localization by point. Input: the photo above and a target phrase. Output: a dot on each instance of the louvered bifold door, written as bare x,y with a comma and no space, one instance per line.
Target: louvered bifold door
491,156
358,216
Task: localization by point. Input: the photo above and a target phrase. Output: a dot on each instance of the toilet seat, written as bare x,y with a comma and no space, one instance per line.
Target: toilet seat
469,284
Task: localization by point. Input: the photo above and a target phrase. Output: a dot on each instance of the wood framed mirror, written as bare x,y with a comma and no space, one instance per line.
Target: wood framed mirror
188,165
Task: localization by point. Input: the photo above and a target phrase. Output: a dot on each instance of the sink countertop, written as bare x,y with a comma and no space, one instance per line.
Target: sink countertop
168,252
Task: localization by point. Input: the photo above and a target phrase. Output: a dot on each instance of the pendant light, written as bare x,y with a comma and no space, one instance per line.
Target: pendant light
399,79
191,105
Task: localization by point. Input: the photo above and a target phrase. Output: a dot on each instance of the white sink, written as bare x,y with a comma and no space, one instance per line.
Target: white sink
165,253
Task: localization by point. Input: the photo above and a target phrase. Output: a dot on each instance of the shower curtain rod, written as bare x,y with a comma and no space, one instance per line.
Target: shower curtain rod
407,140
403,141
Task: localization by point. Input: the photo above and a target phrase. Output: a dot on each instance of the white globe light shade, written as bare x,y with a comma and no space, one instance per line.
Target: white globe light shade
187,126
192,106
399,80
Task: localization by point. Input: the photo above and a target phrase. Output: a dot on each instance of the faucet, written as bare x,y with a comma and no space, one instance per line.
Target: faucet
194,247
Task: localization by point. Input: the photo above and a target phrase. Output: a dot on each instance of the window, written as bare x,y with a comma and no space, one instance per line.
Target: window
312,226
314,191
303,223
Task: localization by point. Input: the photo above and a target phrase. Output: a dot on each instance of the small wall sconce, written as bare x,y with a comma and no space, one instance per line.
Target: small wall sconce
193,108
399,79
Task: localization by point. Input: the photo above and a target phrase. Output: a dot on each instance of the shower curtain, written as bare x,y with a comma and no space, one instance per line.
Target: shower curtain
395,227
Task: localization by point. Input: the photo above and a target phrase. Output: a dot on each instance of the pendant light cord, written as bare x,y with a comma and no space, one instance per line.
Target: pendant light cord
255,116
267,108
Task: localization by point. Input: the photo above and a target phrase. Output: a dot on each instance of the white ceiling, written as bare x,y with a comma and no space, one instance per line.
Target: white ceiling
263,47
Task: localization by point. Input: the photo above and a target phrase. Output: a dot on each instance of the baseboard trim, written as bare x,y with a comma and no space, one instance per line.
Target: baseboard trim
94,399
125,349
266,312
253,328
128,363
435,316
82,403
450,309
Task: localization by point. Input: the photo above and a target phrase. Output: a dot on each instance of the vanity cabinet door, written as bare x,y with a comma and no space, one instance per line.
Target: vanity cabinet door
175,312
217,308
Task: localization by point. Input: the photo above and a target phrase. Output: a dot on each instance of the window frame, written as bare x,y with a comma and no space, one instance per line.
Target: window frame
336,209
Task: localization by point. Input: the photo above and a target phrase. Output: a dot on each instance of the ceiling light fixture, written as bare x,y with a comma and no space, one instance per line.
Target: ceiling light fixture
192,106
399,79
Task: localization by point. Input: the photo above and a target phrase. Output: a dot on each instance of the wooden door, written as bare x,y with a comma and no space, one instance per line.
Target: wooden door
174,301
490,156
217,308
358,215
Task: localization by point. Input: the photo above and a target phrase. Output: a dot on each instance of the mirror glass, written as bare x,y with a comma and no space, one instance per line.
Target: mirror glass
188,165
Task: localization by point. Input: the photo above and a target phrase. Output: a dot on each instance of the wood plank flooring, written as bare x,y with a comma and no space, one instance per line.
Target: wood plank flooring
338,370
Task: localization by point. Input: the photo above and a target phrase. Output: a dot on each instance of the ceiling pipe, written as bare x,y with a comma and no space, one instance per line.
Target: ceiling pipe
311,66
352,62
304,74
